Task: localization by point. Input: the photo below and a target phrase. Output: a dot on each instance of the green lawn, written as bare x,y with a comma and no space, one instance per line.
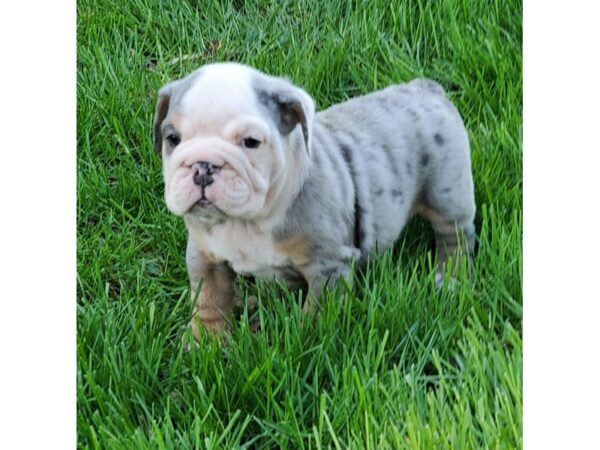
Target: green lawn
390,362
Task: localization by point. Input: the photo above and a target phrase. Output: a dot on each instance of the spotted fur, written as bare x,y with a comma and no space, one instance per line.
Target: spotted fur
321,191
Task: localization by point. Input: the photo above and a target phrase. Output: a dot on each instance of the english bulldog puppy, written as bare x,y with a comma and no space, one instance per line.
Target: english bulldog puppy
269,188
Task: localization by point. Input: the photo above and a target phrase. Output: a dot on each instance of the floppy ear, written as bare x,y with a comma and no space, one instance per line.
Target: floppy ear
162,108
288,106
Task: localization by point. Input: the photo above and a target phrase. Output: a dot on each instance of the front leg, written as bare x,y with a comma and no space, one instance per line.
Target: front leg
320,276
217,295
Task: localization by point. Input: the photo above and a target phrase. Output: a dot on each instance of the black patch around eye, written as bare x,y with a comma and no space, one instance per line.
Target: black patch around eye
173,140
250,142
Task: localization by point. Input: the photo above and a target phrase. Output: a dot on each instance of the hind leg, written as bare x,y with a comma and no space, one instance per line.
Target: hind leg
447,196
448,202
454,237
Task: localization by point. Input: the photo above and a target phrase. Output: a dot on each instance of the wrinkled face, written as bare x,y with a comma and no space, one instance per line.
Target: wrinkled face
222,143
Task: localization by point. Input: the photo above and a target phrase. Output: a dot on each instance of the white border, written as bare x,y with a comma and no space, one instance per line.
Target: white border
38,241
561,178
561,216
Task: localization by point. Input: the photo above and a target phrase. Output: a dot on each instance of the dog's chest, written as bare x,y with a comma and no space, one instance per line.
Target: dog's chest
248,251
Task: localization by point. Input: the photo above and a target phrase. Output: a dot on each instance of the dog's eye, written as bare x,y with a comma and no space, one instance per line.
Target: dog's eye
250,142
173,140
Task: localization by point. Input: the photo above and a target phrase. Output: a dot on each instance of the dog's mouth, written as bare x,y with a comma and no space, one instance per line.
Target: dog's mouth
206,210
203,202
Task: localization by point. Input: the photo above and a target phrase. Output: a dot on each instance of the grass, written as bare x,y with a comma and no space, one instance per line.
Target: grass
390,362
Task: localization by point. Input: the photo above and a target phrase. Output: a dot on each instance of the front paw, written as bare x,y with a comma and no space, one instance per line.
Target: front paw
213,322
311,305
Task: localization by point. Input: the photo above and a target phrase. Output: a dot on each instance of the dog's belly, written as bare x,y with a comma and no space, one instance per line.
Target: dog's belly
287,274
388,219
263,270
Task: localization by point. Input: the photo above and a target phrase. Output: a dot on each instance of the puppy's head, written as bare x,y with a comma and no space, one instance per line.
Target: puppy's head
231,138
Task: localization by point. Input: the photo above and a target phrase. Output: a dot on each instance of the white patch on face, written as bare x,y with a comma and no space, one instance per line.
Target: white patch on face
214,117
220,92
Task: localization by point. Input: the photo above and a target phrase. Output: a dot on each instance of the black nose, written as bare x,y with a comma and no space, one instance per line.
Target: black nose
203,179
208,167
204,173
